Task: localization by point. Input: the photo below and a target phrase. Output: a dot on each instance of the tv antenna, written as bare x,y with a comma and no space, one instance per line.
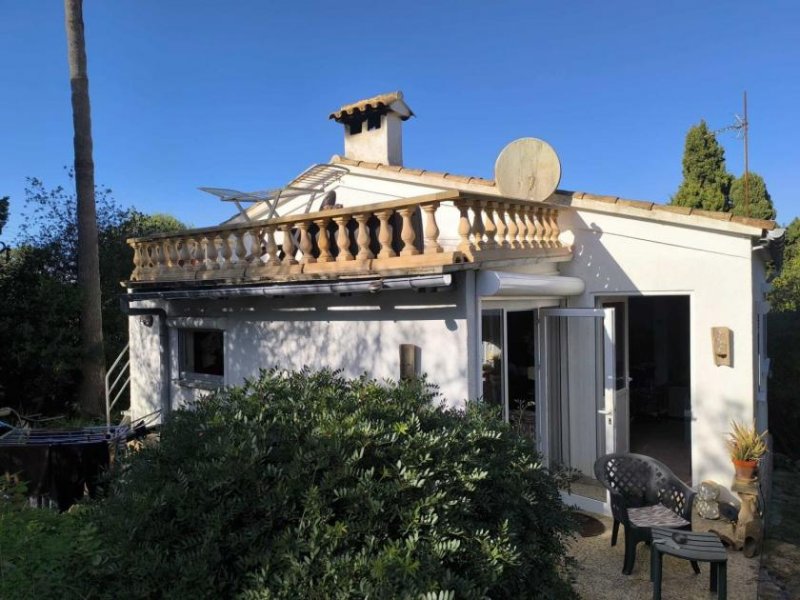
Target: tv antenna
742,126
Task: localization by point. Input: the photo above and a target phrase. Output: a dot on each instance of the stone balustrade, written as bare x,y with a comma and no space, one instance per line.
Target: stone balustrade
395,236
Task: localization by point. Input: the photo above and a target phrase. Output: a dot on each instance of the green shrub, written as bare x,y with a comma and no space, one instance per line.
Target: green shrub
42,553
307,485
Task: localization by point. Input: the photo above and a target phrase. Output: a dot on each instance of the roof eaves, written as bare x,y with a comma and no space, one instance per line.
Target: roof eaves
643,205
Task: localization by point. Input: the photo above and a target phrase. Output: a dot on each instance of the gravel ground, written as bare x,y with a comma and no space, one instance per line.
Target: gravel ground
599,571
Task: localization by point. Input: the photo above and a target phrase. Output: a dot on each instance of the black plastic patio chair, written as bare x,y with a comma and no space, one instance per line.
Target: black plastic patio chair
644,494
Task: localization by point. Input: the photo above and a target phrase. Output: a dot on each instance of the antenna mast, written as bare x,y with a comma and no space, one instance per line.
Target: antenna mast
745,128
742,128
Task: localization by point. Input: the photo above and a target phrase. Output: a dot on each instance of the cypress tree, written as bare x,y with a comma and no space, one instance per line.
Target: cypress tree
706,182
760,204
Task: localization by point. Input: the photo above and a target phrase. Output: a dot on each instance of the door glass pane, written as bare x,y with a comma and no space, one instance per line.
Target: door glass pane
522,371
575,391
620,339
492,357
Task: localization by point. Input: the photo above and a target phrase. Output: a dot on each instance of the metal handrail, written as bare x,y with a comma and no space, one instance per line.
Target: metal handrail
115,388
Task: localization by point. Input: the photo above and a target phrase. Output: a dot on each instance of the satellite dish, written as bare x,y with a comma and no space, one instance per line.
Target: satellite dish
527,168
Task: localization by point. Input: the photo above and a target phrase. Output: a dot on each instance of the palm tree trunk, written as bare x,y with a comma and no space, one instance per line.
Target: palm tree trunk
91,394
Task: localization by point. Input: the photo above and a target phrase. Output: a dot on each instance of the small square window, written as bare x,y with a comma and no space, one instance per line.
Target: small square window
202,355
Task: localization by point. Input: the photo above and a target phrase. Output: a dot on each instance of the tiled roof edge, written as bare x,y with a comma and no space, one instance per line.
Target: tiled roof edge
639,204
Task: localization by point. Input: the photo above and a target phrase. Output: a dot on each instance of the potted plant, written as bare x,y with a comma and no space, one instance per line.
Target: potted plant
746,446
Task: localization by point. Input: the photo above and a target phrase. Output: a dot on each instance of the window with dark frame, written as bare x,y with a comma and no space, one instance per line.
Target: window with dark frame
202,354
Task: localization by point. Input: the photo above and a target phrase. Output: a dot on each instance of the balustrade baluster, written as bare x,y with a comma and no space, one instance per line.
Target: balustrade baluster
489,226
542,227
343,239
385,234
363,237
555,229
146,265
169,258
137,260
432,245
193,247
532,227
288,245
272,247
202,252
306,247
464,228
522,227
500,223
477,225
407,233
226,251
212,256
238,246
182,253
323,240
256,248
513,230
152,257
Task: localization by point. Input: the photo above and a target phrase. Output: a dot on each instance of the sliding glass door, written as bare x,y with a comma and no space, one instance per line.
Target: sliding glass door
508,364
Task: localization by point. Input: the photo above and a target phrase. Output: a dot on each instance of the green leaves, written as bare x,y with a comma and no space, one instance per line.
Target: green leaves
309,485
706,182
759,204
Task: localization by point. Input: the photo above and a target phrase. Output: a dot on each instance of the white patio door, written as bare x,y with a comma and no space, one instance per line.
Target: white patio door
578,417
622,380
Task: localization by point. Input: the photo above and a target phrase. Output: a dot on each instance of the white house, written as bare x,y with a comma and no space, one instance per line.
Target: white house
598,323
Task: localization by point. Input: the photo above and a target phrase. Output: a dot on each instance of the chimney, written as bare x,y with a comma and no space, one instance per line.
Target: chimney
373,128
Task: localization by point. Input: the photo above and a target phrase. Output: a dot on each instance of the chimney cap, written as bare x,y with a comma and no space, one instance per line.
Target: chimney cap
384,103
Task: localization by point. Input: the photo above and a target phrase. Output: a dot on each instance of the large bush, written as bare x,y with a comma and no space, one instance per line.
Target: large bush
308,485
42,552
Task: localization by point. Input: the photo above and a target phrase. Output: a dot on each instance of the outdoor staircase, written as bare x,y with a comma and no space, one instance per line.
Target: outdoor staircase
120,371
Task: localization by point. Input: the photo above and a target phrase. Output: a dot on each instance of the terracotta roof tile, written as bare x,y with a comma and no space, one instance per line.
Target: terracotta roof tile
367,104
681,210
762,223
712,214
606,199
645,205
412,171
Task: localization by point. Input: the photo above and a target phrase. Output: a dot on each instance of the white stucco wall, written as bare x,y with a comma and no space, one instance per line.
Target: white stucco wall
145,365
357,334
616,255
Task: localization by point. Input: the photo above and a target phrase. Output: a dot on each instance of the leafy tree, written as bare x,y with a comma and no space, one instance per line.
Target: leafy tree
93,366
760,202
706,182
40,295
3,212
785,294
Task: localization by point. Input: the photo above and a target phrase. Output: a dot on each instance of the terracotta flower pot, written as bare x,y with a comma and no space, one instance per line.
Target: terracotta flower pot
745,469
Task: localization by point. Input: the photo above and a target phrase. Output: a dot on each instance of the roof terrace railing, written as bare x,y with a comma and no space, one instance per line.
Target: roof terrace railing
386,237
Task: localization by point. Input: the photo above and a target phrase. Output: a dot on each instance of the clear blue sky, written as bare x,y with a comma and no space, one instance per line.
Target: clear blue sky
236,93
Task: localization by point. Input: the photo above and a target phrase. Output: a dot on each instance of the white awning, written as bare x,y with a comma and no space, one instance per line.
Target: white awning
501,283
